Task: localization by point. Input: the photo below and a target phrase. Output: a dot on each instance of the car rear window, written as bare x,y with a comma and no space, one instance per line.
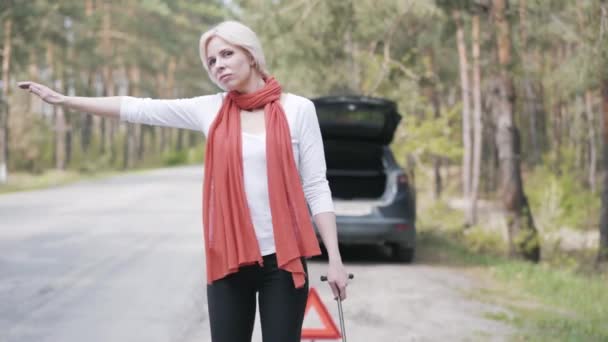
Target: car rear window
369,116
373,122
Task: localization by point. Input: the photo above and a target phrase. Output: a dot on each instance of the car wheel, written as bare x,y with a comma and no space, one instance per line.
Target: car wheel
402,253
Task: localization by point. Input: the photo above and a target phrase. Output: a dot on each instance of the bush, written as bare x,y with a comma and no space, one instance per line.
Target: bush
561,200
173,158
480,240
192,155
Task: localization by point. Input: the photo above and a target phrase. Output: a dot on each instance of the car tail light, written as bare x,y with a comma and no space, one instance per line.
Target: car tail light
402,227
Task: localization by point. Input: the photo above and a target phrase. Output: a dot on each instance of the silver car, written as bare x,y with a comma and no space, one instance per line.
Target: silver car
374,202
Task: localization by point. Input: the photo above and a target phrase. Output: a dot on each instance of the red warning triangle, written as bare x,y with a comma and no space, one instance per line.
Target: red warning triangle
329,330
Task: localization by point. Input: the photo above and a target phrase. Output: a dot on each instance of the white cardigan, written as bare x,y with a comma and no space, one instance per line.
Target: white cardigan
198,114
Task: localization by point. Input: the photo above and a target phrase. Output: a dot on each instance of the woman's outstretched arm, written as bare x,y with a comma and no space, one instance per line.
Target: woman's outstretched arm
103,106
194,113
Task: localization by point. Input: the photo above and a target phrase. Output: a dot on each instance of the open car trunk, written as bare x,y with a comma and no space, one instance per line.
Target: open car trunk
355,169
355,132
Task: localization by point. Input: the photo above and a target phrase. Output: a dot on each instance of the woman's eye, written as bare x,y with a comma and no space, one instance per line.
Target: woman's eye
228,53
211,62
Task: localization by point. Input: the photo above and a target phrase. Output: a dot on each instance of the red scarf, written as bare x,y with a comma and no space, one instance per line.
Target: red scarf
230,240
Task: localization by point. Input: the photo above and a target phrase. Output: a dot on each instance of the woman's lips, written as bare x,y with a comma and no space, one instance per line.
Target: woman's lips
223,77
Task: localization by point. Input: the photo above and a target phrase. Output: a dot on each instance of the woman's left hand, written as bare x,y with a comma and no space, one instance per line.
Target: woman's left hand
337,279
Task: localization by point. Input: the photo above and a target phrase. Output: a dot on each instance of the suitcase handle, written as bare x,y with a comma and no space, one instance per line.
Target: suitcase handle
350,276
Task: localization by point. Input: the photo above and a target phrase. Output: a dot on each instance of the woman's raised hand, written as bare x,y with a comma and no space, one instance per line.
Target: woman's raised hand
103,106
47,94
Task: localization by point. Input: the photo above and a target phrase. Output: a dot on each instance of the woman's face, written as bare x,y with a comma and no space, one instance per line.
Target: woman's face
230,65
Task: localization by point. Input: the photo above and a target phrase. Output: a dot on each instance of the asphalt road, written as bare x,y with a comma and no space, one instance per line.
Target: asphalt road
122,259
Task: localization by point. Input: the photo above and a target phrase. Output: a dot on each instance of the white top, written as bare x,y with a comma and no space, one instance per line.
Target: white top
198,114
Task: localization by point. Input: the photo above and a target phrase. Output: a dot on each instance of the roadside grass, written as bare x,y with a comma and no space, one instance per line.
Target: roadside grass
53,178
26,181
98,168
563,298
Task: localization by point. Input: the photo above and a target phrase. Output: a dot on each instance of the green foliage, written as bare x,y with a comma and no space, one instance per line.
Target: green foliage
186,156
61,41
429,136
173,158
439,217
92,161
196,154
31,152
315,48
20,181
479,240
447,249
549,302
156,6
327,47
94,165
526,240
560,200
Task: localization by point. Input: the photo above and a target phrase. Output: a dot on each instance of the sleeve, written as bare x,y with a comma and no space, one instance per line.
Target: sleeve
312,162
192,113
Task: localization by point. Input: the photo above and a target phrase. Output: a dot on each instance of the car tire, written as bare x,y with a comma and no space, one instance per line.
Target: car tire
403,253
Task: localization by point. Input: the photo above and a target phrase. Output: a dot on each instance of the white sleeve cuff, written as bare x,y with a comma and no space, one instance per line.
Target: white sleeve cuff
128,105
322,205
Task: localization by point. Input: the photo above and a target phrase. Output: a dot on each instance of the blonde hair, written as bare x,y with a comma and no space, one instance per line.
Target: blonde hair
235,33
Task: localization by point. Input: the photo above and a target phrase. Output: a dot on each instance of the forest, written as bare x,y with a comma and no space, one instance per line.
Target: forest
504,103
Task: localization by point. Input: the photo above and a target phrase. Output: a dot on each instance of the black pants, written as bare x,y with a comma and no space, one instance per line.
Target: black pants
232,304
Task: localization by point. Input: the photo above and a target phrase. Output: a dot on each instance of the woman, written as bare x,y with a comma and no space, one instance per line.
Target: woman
257,227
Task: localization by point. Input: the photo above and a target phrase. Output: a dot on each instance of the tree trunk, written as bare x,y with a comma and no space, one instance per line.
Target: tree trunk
108,82
69,81
141,140
4,109
351,48
180,140
477,123
131,139
532,104
588,103
59,125
523,237
557,136
602,256
533,109
60,132
192,139
87,119
466,111
88,7
540,118
591,140
578,133
170,93
164,132
490,150
139,143
430,89
109,125
34,105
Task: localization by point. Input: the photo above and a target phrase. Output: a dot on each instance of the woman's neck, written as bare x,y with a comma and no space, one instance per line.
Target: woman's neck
254,84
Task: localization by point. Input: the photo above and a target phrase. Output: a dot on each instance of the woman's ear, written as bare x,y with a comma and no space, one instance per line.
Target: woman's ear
251,59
